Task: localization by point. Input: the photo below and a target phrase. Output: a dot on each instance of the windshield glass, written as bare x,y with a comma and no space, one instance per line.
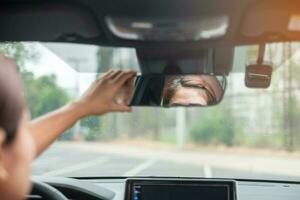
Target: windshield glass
253,133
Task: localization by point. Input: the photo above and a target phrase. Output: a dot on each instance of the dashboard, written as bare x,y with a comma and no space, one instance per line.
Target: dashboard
170,189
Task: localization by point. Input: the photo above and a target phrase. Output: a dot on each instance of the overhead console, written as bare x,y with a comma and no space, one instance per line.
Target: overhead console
170,189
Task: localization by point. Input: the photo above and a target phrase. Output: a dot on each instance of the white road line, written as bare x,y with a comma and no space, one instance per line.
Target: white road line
144,165
43,161
207,171
77,167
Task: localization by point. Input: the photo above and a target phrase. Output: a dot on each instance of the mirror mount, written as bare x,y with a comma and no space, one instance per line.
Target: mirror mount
185,60
261,54
259,74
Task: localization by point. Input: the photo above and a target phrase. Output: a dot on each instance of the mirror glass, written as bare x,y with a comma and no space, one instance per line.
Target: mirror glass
173,90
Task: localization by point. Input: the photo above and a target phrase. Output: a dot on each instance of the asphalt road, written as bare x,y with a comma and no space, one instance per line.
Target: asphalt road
72,161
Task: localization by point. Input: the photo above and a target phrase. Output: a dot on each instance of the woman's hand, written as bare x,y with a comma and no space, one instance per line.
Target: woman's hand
105,94
126,92
99,99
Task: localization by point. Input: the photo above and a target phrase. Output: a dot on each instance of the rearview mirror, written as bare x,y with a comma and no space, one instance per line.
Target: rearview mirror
174,90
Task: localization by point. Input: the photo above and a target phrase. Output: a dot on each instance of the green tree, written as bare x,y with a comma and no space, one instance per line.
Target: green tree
42,93
20,52
105,55
214,127
93,124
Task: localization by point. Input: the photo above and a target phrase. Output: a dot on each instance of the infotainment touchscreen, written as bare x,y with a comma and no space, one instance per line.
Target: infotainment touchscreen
137,189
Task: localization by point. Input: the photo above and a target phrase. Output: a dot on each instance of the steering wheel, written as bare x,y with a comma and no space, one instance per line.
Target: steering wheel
46,191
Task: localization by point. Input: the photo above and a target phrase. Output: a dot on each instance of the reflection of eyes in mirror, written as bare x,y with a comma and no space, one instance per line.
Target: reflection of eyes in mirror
173,90
196,90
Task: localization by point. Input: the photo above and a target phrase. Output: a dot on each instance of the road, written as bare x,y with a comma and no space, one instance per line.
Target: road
72,159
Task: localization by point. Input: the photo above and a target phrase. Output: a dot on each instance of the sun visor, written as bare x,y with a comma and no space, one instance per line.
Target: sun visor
271,20
47,22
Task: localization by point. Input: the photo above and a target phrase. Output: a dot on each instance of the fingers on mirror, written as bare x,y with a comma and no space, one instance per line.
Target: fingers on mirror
123,77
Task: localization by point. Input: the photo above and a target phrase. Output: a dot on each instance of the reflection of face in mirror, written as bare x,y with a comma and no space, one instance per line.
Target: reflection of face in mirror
201,90
173,90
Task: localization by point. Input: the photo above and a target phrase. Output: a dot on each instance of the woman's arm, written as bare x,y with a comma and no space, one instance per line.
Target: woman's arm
97,100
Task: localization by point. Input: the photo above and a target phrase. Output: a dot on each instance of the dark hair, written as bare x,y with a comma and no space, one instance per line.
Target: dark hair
11,98
176,82
170,88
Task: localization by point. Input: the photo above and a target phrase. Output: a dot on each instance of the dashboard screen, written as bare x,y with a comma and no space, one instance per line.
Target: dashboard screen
179,190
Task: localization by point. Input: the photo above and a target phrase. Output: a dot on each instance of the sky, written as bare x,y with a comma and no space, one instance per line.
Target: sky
75,65
50,63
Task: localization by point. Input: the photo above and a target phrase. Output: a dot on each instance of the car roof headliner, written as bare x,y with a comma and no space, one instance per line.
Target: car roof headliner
82,21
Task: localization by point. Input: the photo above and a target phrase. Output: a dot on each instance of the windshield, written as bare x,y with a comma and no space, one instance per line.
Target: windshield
252,134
